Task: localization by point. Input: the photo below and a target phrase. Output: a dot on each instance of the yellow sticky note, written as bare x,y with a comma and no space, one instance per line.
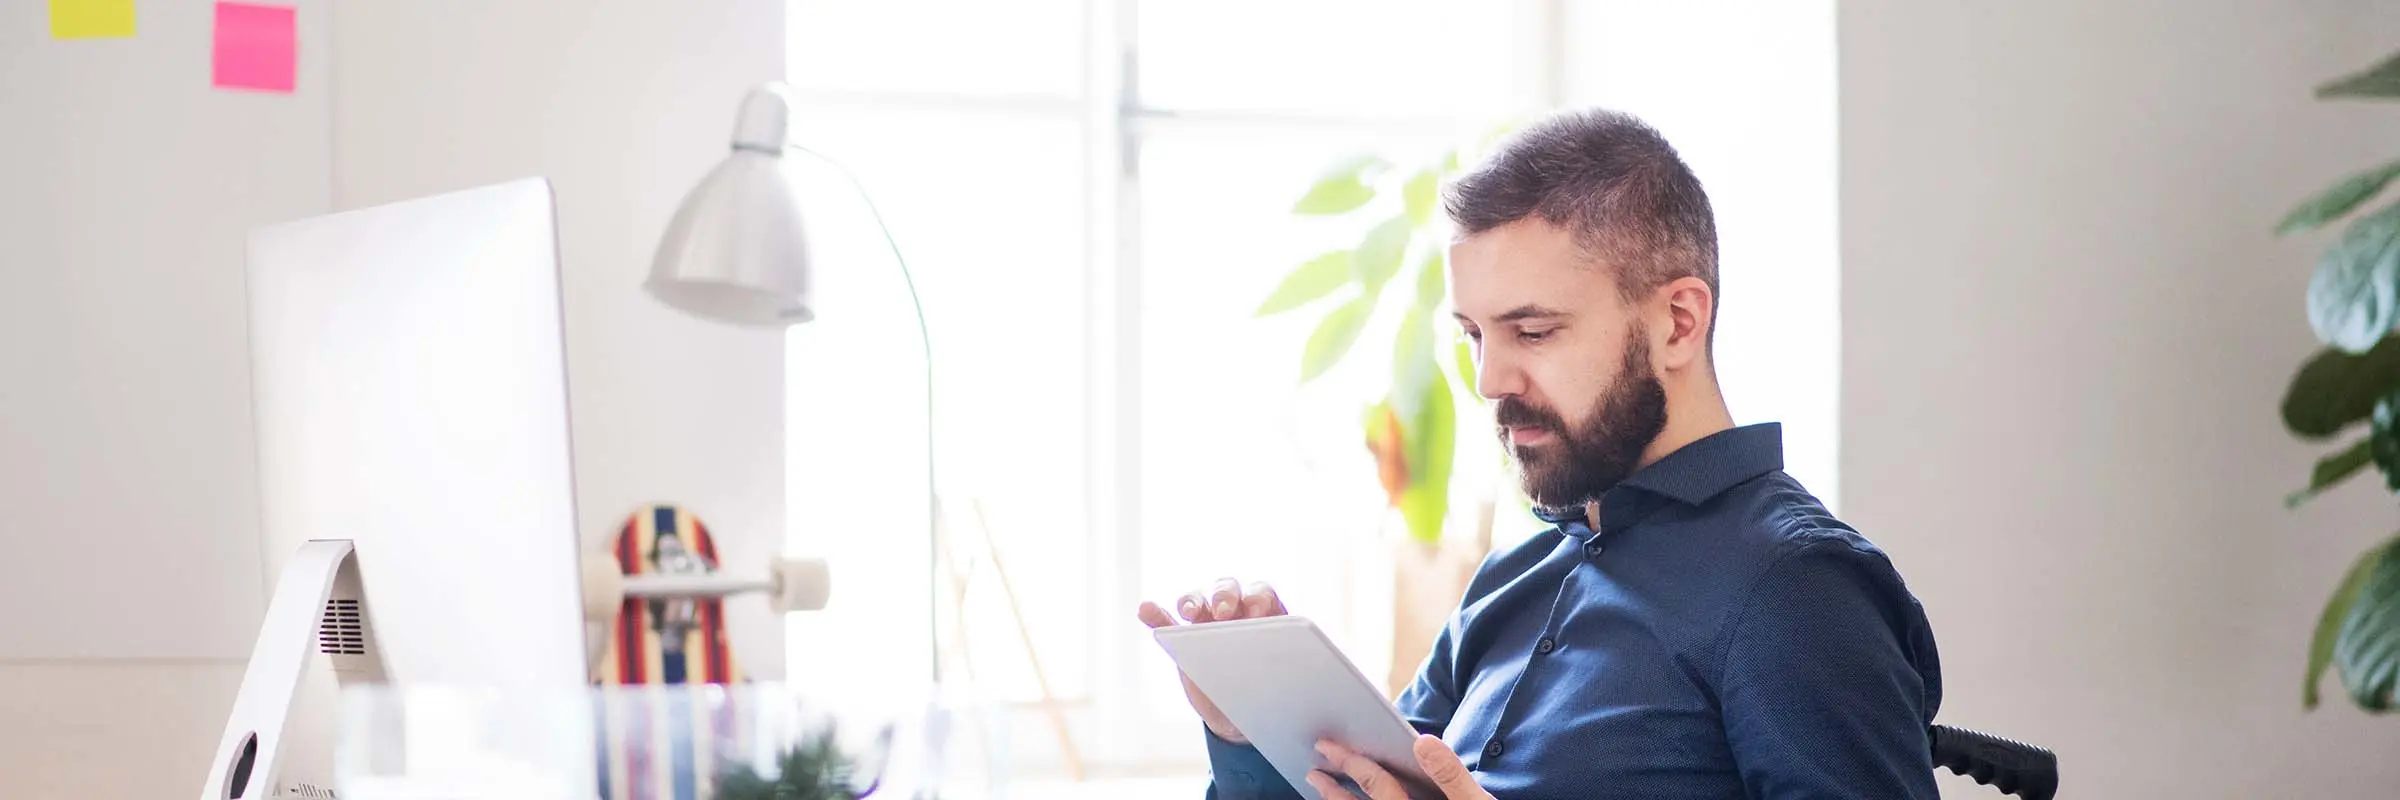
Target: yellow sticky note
91,19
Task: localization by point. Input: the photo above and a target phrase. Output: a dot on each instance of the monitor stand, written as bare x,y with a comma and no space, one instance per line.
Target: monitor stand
318,636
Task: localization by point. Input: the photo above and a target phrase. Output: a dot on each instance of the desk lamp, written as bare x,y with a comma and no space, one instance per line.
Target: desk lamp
737,252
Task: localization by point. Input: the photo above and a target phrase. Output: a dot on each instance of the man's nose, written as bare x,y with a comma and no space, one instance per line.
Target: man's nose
1496,375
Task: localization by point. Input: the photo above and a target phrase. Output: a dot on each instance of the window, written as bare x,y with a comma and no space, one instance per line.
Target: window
1093,195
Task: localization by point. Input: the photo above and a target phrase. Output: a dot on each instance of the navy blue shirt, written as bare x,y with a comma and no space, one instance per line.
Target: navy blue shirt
1720,636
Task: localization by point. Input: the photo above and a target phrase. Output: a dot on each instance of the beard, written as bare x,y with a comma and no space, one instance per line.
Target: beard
1574,467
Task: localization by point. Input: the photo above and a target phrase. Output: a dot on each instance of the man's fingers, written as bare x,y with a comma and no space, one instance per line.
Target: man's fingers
1439,763
1327,786
1228,599
1154,616
1259,600
1379,784
1433,756
1225,601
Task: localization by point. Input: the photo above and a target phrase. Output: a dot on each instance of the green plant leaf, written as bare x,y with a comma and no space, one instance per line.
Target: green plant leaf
2367,650
1463,352
2383,440
2338,199
1334,196
1313,279
2337,611
1413,366
1343,188
2332,470
1433,441
812,770
1418,195
2335,388
2381,80
1430,288
1436,431
1378,256
2354,297
1333,337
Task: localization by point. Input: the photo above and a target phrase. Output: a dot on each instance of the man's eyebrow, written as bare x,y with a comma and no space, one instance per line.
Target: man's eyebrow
1520,314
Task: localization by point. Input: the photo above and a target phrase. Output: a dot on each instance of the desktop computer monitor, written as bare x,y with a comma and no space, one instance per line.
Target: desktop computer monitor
418,515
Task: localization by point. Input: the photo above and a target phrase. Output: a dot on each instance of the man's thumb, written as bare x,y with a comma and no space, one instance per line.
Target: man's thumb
1444,767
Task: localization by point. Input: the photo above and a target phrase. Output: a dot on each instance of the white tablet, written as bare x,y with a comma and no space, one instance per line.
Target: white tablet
1286,686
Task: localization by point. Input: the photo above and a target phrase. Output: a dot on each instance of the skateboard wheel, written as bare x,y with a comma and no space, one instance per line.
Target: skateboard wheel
801,584
603,588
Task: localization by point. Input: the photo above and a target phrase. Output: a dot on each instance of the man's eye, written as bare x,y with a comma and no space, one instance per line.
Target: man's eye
1474,336
1533,336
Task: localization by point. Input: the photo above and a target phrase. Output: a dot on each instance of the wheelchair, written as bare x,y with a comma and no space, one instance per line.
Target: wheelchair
2015,768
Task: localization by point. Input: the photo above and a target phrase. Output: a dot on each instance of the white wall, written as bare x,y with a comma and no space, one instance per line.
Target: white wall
2066,330
127,187
2061,330
128,493
623,111
1762,142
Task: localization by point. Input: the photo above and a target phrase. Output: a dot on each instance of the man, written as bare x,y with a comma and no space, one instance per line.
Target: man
1696,625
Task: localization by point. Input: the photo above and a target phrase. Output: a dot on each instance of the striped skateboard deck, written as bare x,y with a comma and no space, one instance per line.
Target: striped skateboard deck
664,737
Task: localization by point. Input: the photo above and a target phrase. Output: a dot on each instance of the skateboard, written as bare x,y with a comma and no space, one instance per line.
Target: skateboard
660,738
667,640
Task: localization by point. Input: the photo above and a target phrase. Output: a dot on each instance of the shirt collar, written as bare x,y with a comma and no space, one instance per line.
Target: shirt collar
1695,472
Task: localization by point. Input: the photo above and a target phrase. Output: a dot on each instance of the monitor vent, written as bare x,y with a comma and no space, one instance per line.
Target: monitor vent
343,631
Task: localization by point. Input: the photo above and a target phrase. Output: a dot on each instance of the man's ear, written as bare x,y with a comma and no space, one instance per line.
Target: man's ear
1691,311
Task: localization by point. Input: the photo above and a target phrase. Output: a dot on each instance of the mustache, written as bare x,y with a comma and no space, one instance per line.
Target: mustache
1513,413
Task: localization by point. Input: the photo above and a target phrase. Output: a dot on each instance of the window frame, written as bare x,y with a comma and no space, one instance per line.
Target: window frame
1113,733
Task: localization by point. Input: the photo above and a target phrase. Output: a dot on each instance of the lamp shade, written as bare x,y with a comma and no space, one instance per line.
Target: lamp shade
736,250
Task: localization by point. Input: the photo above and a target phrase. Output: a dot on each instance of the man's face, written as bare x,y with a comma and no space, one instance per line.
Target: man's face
1565,361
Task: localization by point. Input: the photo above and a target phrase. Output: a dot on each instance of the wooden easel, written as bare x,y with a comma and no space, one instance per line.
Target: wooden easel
961,576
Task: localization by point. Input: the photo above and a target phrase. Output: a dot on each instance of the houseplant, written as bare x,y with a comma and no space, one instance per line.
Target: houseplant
1391,284
2353,305
1392,276
814,769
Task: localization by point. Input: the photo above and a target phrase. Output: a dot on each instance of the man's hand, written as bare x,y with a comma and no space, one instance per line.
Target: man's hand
1448,773
1227,600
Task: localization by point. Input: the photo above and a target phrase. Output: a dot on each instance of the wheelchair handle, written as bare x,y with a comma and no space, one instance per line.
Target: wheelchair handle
2013,767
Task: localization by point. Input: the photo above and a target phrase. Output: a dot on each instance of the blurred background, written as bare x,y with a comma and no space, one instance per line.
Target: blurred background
2008,273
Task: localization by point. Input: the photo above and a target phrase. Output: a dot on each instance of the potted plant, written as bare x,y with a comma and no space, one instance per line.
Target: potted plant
2353,305
1391,284
814,770
819,767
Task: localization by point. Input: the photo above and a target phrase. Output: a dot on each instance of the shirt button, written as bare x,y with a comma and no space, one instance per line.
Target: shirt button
1545,645
1592,549
1492,750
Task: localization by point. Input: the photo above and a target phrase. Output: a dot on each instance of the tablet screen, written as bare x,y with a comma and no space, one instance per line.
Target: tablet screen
1286,686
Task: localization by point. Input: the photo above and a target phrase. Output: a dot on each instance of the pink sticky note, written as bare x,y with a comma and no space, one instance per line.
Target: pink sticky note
256,47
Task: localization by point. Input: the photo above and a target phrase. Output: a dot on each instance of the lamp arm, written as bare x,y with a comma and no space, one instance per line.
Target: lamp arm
925,339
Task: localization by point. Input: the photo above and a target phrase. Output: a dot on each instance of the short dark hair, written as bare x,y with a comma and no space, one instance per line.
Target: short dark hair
1610,179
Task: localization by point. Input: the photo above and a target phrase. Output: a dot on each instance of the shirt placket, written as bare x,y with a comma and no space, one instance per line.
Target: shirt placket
1544,644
